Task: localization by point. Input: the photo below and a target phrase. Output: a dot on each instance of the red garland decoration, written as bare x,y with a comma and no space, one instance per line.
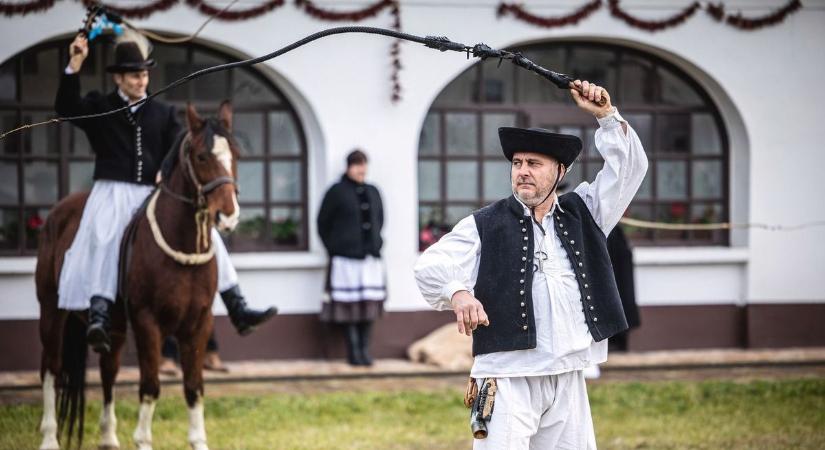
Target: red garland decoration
21,9
652,25
737,21
519,12
348,16
356,16
138,12
255,11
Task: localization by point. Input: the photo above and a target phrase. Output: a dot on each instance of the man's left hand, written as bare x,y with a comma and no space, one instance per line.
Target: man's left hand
589,98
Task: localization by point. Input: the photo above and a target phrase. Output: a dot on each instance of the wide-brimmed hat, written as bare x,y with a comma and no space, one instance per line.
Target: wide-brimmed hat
129,58
564,148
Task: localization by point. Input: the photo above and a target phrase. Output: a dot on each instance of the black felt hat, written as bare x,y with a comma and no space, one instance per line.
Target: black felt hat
564,148
129,58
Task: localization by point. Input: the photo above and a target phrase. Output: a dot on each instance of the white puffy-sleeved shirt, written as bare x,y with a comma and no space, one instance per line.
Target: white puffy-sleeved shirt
564,342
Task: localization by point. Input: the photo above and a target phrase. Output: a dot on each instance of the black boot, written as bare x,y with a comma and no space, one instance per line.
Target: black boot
97,334
364,330
354,355
244,319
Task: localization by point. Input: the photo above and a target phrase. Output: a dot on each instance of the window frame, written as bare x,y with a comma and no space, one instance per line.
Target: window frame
527,112
68,154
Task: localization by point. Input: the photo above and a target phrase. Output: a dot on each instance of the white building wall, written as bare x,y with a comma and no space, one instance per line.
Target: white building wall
765,84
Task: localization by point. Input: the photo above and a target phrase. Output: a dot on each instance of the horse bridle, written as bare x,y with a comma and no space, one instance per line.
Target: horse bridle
202,241
202,190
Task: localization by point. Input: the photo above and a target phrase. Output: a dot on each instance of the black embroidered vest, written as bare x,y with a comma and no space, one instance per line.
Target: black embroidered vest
505,273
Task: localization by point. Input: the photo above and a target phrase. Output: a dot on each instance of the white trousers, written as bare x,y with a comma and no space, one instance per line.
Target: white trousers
90,265
540,413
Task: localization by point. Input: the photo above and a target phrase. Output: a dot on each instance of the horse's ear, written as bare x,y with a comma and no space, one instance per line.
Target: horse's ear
193,120
225,115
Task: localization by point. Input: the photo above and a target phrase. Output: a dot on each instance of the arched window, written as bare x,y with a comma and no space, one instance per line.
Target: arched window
461,168
40,166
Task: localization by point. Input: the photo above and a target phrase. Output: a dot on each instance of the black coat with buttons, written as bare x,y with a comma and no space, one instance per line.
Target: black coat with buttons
128,147
350,220
505,274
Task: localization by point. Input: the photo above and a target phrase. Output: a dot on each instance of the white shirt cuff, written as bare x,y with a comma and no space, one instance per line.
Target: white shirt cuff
68,70
612,120
451,288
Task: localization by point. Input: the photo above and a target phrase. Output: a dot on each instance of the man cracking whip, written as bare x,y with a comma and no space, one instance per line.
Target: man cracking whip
129,148
529,277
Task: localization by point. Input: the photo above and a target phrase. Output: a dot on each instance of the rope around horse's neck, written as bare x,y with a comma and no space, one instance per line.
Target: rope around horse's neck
187,259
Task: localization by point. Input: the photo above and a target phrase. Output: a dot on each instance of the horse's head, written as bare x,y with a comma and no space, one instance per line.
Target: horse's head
211,155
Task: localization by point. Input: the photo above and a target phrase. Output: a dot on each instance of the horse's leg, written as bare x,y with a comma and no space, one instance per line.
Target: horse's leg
52,322
148,341
192,349
109,366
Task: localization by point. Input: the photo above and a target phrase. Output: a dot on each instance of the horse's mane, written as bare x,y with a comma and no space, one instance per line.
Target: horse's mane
211,128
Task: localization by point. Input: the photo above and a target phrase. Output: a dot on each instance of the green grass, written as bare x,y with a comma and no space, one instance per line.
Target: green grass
704,415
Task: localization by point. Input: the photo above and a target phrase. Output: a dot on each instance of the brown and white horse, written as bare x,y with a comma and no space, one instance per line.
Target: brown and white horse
169,282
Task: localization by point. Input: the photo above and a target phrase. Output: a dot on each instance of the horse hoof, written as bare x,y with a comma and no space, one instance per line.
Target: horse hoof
108,447
199,446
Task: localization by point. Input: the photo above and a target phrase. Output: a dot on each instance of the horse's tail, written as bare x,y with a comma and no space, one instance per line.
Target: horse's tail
71,398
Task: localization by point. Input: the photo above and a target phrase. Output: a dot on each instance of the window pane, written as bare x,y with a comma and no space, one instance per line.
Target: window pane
645,191
705,135
209,87
43,140
40,182
462,134
498,82
457,212
640,212
9,229
462,180
285,182
671,180
429,181
491,123
8,81
428,142
80,143
706,213
34,220
463,89
592,169
80,175
251,224
676,91
40,75
496,180
588,138
174,65
430,226
251,181
11,144
246,87
286,226
642,124
534,89
594,65
8,187
673,212
674,133
706,179
283,134
574,177
248,129
637,81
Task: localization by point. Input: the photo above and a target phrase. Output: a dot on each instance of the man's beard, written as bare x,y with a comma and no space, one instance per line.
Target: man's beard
534,199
